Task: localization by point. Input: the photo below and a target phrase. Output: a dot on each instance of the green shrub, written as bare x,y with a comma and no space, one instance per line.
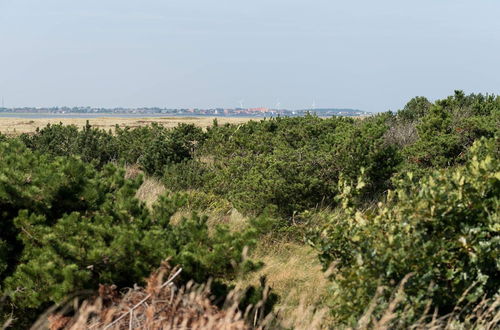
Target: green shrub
153,147
66,227
133,142
189,136
160,152
187,175
292,164
91,144
447,129
444,230
415,109
166,147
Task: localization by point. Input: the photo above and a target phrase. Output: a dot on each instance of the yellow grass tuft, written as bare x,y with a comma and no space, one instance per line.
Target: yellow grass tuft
150,190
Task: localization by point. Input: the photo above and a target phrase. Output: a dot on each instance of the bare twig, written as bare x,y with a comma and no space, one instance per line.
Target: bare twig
143,300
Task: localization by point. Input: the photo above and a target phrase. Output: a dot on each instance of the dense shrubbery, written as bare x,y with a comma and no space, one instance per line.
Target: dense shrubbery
444,230
293,164
289,164
69,220
153,147
90,144
66,227
447,128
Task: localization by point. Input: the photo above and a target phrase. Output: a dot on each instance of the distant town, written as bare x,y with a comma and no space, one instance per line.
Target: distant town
243,112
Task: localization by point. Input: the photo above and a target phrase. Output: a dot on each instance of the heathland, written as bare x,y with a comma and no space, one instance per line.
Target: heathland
390,221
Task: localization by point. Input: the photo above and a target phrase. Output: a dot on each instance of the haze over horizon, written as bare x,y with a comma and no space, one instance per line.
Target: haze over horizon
366,55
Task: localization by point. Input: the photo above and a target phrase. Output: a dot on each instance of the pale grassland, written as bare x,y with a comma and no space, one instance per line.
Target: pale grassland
14,126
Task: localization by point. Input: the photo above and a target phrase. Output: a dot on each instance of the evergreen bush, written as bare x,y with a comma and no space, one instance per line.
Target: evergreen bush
444,230
67,227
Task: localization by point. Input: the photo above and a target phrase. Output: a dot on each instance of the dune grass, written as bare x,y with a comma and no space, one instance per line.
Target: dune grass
293,272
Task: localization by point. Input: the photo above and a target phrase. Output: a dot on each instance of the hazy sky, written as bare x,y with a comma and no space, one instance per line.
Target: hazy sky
366,54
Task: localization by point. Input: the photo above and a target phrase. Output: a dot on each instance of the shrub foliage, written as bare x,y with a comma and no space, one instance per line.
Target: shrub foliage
444,230
426,203
66,227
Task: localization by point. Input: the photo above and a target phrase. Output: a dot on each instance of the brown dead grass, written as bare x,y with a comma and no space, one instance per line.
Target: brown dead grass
15,126
160,305
163,305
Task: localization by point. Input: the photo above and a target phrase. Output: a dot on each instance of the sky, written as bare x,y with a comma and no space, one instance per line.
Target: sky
363,54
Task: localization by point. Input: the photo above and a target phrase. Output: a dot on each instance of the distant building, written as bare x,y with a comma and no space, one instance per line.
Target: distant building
259,110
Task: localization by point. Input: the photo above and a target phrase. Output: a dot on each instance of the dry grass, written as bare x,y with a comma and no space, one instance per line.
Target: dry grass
161,305
232,219
485,315
14,126
293,272
150,190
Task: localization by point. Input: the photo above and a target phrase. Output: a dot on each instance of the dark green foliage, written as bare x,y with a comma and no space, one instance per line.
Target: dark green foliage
188,136
32,182
91,144
57,140
67,227
162,150
293,164
415,109
133,142
191,174
448,128
444,230
153,147
437,145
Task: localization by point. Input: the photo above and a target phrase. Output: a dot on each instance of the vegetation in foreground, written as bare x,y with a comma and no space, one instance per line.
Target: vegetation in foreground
401,209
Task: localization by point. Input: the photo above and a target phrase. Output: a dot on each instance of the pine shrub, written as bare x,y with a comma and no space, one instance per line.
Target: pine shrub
67,227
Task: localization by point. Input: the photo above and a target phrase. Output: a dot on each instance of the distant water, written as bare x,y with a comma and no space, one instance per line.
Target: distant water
100,115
